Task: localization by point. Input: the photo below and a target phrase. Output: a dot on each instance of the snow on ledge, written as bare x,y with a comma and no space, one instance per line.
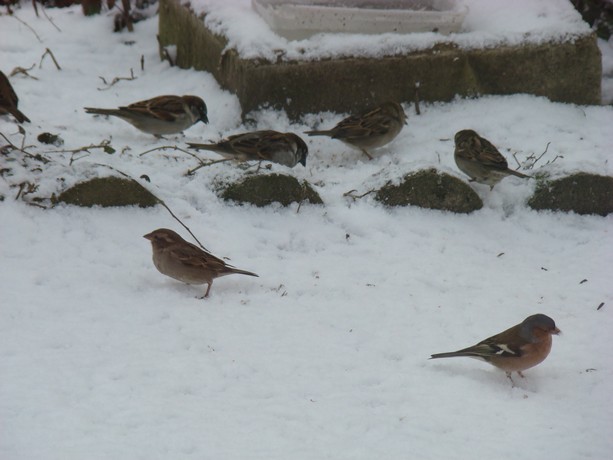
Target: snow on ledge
488,23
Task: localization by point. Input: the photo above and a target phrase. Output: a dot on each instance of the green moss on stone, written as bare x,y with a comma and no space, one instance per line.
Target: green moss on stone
582,193
262,190
433,190
107,192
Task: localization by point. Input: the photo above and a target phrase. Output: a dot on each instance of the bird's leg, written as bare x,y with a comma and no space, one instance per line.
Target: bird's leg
208,288
521,375
511,379
367,154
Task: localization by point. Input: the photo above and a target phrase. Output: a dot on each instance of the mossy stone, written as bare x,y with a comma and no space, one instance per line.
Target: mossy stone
432,190
107,192
262,190
582,193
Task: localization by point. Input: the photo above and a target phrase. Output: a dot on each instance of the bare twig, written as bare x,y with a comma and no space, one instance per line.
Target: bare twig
50,53
160,201
303,197
28,26
105,145
126,15
48,19
189,172
167,147
534,159
21,149
184,226
600,306
24,71
164,52
204,164
417,111
115,80
142,62
26,188
168,57
352,194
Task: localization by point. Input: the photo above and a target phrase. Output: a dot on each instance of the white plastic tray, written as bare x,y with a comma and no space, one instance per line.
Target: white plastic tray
299,19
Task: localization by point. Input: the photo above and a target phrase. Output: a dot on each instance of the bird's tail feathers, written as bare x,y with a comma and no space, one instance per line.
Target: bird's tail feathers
212,147
96,111
20,116
518,174
456,354
318,133
243,272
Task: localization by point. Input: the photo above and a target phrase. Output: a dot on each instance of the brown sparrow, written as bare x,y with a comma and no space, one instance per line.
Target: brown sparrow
519,348
184,261
160,115
284,148
370,130
9,100
480,160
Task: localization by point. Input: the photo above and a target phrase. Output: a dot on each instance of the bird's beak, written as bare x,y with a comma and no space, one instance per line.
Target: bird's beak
303,161
556,331
204,119
148,236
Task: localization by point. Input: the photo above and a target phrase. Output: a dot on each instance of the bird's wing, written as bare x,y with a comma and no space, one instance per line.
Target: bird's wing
373,123
165,108
254,145
489,155
192,255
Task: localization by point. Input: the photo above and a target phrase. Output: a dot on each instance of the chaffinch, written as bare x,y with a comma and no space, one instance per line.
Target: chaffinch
519,348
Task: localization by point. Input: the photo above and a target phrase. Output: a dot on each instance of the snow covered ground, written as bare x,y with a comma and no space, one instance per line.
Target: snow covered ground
326,354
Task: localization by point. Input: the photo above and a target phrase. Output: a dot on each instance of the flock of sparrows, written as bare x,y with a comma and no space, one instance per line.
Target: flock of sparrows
514,350
163,115
474,155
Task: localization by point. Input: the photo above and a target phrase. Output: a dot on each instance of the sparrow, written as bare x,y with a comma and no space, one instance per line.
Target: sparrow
186,262
160,115
519,348
369,130
287,149
480,160
9,100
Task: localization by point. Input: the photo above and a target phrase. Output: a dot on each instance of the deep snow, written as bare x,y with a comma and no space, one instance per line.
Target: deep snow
325,355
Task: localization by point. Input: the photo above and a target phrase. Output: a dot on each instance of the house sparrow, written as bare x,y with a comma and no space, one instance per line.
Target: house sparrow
160,115
519,348
284,148
480,160
370,130
9,100
183,261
